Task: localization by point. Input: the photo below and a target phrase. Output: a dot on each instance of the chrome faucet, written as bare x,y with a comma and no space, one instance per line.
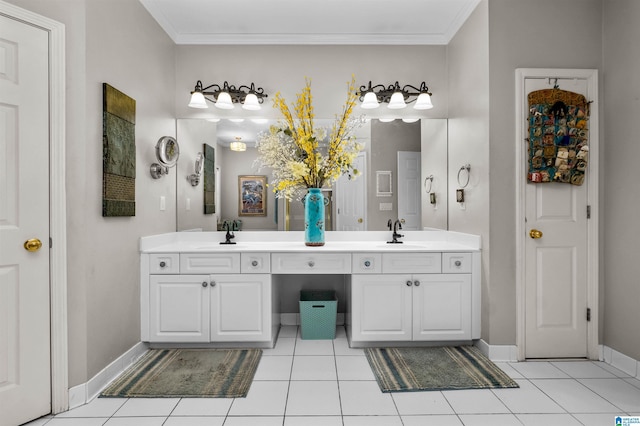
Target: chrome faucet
396,226
230,228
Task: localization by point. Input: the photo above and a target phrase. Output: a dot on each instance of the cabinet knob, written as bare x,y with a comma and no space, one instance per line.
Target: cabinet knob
212,284
457,263
409,283
204,284
367,263
163,264
311,264
254,263
416,283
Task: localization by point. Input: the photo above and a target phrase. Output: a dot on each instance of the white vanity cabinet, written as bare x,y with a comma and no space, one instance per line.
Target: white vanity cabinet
221,297
416,297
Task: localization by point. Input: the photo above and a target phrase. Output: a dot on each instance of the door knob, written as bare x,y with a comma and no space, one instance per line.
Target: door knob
33,244
360,220
534,233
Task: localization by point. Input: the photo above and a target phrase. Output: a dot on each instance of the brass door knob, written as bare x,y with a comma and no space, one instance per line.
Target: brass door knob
33,244
534,233
360,220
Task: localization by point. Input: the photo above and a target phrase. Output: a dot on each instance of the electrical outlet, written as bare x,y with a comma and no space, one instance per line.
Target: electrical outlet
163,203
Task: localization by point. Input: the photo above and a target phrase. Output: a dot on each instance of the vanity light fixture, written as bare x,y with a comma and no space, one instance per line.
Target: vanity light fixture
237,145
226,95
395,96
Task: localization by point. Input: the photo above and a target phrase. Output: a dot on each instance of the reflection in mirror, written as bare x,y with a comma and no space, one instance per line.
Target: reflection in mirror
355,204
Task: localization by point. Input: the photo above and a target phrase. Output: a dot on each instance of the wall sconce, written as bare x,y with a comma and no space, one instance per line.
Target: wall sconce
167,153
460,191
397,97
237,145
194,178
224,97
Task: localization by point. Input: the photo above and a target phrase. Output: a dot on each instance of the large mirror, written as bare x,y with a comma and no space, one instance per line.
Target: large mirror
408,159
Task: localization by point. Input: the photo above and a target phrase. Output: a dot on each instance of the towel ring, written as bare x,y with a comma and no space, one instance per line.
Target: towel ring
430,179
466,167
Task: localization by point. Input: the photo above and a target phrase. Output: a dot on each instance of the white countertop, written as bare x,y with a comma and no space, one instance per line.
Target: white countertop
293,241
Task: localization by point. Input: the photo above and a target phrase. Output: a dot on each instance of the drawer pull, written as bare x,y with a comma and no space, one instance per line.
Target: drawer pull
367,263
212,284
416,283
457,263
311,264
163,264
254,263
409,283
204,284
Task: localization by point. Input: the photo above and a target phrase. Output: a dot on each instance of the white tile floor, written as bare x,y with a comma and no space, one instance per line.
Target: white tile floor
325,383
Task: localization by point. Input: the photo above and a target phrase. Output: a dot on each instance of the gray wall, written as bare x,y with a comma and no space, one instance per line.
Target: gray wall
524,34
620,202
117,42
472,79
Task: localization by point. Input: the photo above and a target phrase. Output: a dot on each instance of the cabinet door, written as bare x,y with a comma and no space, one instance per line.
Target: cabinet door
381,307
442,307
241,307
179,308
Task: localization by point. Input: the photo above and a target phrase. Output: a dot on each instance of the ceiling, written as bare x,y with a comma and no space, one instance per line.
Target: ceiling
332,22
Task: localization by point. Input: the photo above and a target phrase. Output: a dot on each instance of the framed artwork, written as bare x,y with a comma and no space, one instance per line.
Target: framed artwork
252,195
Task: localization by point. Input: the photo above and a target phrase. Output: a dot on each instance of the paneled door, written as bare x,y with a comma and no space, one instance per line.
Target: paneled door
556,253
25,373
409,190
351,199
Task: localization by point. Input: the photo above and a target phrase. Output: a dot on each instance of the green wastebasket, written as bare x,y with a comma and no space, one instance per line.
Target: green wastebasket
318,311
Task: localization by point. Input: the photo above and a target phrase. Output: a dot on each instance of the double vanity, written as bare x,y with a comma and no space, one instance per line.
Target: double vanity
197,292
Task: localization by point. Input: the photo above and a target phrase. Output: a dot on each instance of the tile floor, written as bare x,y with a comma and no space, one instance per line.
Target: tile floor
324,382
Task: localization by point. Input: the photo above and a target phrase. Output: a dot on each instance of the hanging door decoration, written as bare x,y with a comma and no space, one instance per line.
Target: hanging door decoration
558,136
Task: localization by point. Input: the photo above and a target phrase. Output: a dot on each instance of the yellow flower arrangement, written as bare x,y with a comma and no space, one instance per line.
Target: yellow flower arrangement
300,154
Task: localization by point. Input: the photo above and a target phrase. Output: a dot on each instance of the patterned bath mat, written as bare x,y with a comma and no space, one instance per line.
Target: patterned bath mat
195,373
437,368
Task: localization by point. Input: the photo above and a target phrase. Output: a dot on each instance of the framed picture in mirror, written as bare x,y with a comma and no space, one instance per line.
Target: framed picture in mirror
252,195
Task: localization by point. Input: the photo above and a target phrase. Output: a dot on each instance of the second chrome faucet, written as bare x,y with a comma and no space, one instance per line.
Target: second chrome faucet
395,226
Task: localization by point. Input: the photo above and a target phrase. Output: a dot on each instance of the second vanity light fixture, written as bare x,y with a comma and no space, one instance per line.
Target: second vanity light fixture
395,96
226,95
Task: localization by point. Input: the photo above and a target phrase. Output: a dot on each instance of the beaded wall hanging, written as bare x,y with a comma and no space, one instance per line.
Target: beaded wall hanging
558,136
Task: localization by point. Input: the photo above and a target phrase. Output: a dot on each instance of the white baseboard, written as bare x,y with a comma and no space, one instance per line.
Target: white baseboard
498,353
83,393
621,361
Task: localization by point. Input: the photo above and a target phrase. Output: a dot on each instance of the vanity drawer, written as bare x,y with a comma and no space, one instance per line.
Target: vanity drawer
366,263
319,263
414,262
456,263
210,263
255,263
164,263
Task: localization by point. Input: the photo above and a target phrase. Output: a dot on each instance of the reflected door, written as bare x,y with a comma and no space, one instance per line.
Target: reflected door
351,200
409,186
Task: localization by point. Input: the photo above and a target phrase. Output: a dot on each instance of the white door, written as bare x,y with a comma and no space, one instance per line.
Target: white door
442,307
381,308
351,199
409,190
556,259
179,308
25,375
241,307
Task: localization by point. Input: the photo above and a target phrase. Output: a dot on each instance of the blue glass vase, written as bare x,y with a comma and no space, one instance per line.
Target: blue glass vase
314,218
